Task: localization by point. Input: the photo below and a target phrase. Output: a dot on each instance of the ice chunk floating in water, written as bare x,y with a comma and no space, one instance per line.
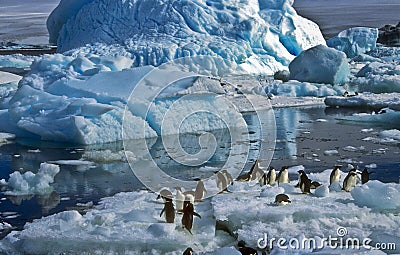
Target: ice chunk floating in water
30,183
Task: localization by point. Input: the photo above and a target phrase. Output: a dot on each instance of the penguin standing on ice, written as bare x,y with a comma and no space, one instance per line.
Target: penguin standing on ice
187,218
256,172
283,176
350,181
271,176
335,175
200,191
221,181
304,183
228,177
365,176
282,199
263,180
169,211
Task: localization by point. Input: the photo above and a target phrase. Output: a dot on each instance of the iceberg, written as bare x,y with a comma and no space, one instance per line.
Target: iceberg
259,36
355,41
320,64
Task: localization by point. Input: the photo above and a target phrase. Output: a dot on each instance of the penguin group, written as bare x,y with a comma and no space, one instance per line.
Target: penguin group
184,202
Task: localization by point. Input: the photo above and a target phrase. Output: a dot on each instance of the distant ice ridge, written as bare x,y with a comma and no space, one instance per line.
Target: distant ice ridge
257,36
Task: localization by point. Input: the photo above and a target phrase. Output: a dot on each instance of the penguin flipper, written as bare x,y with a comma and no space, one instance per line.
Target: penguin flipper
162,212
196,214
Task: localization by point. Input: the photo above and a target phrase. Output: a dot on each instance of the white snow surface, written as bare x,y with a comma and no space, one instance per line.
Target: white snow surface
30,183
259,36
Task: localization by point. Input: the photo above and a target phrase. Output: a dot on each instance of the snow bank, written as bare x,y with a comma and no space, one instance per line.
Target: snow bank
375,194
30,183
355,41
259,36
302,89
366,100
317,215
128,222
320,64
378,77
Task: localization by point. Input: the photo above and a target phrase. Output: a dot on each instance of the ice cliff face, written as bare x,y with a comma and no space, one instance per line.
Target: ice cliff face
261,36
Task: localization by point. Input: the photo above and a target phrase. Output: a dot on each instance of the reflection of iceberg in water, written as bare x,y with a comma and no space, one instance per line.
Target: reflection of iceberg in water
288,121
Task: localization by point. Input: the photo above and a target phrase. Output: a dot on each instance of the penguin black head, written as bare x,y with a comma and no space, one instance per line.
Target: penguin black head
271,168
301,172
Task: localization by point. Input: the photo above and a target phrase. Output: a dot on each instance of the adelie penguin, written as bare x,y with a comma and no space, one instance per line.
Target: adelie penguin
271,176
305,182
169,211
283,176
256,172
350,181
365,176
335,175
187,218
282,199
244,250
200,191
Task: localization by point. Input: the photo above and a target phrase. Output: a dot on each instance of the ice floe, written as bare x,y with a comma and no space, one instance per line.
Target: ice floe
30,183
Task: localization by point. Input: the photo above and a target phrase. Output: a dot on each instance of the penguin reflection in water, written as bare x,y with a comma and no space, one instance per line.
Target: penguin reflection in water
187,218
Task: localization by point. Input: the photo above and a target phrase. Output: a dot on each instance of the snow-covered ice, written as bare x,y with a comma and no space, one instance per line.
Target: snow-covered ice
375,194
366,100
320,64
